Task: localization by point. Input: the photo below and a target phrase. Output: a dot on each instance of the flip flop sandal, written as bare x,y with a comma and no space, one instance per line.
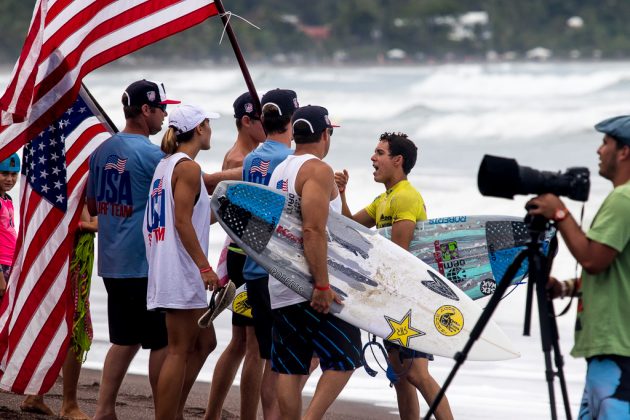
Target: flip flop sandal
221,298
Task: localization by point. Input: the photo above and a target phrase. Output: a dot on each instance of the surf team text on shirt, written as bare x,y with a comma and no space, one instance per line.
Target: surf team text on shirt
114,193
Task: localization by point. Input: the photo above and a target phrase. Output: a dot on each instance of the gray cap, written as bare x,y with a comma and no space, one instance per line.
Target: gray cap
617,127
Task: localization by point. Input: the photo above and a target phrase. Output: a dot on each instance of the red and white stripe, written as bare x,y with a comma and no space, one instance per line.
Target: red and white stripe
68,39
37,313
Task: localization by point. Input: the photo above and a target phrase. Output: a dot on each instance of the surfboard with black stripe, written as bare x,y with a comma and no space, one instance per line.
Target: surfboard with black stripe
386,290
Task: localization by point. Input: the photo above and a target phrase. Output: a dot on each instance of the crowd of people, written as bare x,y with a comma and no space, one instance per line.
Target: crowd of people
153,258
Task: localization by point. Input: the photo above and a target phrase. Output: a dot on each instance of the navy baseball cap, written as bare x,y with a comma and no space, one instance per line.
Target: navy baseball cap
146,92
616,127
244,105
315,117
284,100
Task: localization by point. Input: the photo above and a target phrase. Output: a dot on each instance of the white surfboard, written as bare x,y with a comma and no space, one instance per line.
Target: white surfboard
386,290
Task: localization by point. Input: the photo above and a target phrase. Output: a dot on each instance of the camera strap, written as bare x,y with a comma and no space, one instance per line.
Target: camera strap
577,267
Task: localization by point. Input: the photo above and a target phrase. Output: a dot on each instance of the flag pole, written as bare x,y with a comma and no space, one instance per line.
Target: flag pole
108,120
239,56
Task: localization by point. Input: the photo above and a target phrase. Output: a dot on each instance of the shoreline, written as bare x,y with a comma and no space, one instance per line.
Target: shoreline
135,402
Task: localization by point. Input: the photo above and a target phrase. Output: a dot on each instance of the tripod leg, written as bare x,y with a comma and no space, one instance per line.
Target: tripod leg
545,328
558,359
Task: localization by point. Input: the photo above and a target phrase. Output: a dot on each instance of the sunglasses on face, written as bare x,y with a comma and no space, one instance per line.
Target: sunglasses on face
330,131
160,106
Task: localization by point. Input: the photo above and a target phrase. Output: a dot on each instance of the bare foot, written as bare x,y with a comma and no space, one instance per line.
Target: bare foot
35,404
73,413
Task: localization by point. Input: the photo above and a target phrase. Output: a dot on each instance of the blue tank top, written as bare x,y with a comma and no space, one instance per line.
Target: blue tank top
257,167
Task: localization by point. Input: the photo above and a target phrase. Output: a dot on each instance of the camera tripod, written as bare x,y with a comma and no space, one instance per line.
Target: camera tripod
539,268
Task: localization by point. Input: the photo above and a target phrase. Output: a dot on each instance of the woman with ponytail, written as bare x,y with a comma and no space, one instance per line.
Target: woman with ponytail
176,232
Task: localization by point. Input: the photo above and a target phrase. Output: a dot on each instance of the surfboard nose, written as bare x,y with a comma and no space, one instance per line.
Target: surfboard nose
493,345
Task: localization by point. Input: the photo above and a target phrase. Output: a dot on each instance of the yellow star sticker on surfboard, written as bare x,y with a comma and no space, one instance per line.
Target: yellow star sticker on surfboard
402,331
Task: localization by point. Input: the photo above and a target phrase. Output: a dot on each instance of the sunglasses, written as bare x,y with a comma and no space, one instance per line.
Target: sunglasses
330,131
160,106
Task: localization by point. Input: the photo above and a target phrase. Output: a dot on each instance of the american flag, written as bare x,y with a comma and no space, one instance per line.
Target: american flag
157,190
260,166
68,39
37,311
283,185
115,163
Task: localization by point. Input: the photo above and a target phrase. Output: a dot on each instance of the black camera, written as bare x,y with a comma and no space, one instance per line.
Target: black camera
502,177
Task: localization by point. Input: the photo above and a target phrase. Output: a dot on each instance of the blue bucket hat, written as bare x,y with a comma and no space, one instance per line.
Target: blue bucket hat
10,164
616,127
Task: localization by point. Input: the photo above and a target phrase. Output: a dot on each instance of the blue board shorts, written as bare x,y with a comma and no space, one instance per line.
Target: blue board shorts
299,332
607,389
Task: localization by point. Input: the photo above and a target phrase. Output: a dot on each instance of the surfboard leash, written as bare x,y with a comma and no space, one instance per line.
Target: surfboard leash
389,371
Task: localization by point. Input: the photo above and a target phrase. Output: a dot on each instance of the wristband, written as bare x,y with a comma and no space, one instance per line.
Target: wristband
323,288
560,214
205,270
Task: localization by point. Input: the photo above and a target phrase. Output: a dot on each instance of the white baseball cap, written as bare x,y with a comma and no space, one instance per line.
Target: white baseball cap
186,117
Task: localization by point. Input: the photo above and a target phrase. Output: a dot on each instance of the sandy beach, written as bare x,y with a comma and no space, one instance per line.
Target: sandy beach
134,401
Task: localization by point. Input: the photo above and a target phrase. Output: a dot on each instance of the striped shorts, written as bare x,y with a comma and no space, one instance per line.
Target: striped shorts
299,332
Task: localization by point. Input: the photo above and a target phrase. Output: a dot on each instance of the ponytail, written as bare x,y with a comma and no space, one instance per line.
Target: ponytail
169,141
172,138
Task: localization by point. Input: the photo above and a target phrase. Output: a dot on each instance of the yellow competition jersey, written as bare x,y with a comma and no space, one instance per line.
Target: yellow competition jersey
401,202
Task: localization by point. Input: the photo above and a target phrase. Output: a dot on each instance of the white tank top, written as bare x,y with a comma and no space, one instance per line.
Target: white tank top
174,279
283,178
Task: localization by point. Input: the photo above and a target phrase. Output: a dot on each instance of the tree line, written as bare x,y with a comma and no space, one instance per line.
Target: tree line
364,30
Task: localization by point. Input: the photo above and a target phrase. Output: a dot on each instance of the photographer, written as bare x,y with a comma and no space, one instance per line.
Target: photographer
601,332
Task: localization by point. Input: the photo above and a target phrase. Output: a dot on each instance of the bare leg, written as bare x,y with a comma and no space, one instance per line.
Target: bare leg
204,345
406,393
312,367
182,335
114,369
419,377
70,405
35,404
223,376
156,359
289,396
269,393
251,377
328,388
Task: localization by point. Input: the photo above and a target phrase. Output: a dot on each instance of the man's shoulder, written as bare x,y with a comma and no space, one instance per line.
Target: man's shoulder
269,151
235,157
405,189
123,142
316,163
618,198
623,190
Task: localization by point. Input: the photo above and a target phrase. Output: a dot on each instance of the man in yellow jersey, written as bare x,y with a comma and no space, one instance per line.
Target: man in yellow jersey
400,207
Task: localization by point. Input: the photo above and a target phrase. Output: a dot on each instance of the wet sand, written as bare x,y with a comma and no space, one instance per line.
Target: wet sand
135,402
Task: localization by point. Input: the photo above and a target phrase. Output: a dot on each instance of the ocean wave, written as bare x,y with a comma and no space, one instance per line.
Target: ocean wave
518,81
